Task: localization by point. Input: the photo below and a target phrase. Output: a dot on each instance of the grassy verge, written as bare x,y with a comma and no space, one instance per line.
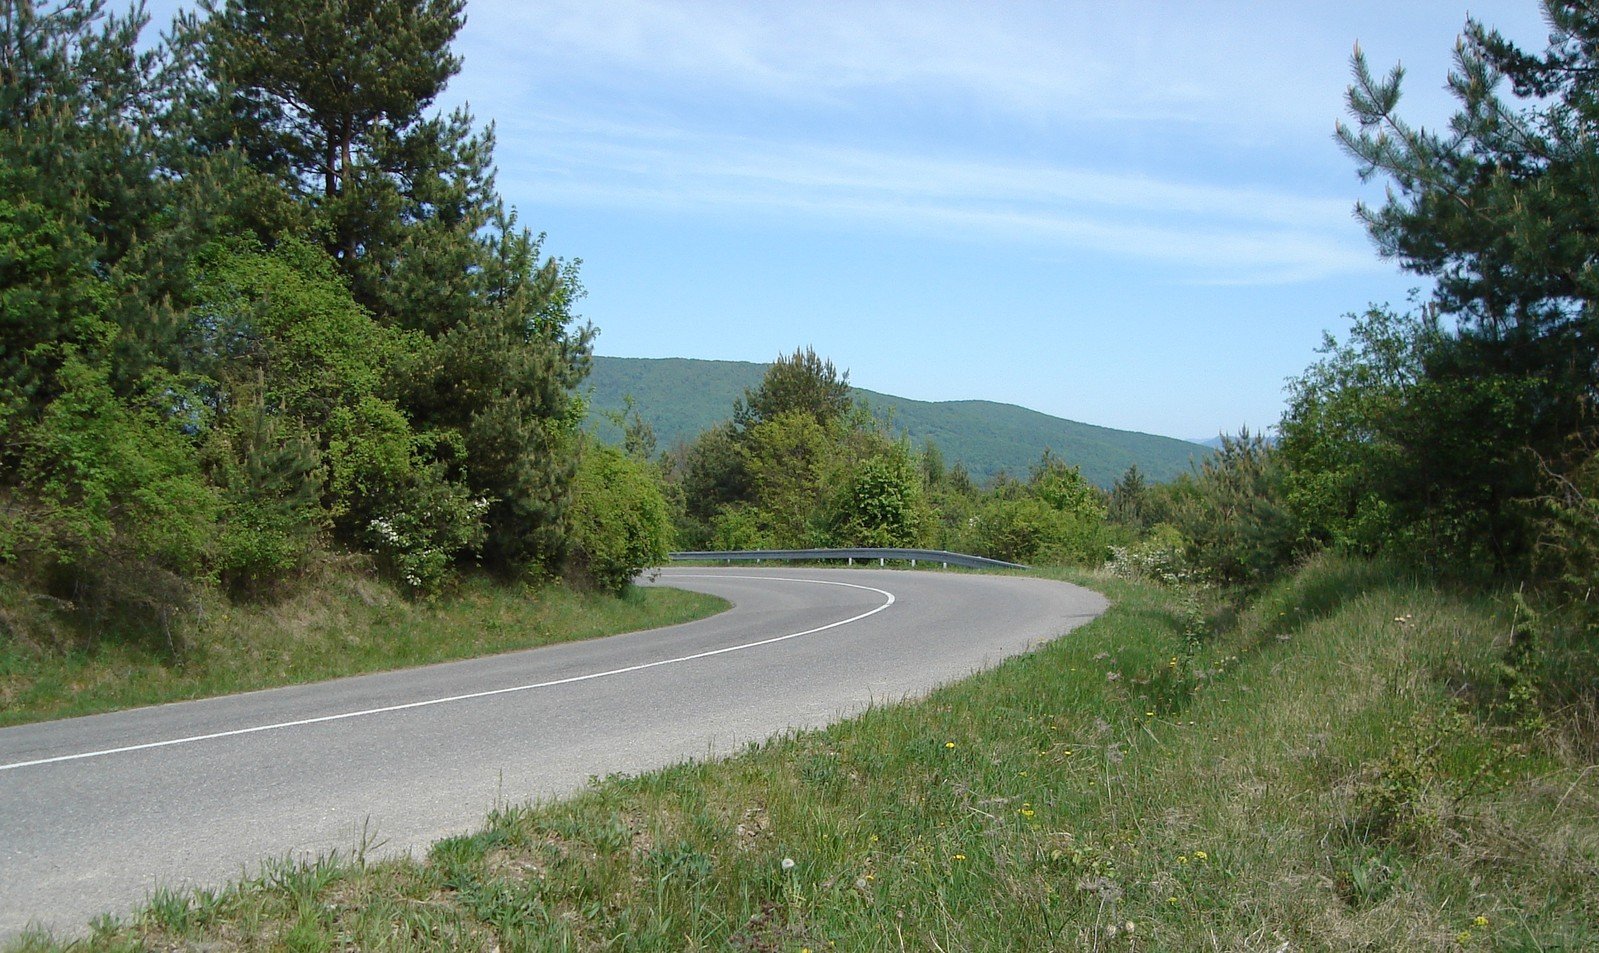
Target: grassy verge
1348,767
346,625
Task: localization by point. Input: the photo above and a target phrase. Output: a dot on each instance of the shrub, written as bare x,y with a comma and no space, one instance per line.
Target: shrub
118,520
1158,557
387,489
113,477
1027,529
1238,527
737,527
269,474
620,524
420,539
882,503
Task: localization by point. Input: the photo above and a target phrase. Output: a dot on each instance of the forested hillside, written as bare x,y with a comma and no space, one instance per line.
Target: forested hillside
681,398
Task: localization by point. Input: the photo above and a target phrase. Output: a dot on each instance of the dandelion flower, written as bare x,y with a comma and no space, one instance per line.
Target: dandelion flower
1201,855
960,856
1480,922
949,744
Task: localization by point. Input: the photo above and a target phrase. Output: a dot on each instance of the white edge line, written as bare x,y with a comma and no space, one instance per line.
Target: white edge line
496,691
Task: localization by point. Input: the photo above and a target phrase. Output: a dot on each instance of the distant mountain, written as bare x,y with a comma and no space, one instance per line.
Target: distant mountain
683,397
1214,443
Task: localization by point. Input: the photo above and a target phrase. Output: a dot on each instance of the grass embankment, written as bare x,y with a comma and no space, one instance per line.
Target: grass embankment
1347,767
346,624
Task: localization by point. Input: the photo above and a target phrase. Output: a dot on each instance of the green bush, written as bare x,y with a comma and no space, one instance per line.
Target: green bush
1238,527
738,527
115,478
116,521
620,524
269,474
389,490
420,539
882,504
1026,529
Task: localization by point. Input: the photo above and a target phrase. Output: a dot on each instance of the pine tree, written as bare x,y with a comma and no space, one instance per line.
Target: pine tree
335,99
801,382
1500,210
78,191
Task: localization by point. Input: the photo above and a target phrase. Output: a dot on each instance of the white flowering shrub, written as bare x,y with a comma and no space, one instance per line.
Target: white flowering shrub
1159,557
421,542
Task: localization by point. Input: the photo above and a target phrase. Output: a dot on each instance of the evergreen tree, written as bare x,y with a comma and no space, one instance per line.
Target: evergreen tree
1129,500
799,382
334,98
328,94
1500,211
78,193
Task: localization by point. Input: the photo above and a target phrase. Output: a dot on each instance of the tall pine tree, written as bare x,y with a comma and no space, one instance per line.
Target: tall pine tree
336,99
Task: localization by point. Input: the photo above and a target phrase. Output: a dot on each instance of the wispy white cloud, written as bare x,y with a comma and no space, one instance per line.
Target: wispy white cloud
1243,67
1176,134
1211,232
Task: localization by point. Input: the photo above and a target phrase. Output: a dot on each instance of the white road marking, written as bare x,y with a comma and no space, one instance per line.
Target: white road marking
497,691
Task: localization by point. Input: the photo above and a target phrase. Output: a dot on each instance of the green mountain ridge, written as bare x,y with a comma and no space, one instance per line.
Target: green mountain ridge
682,397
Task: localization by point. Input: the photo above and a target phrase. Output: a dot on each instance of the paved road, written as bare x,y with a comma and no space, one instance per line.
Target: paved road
96,812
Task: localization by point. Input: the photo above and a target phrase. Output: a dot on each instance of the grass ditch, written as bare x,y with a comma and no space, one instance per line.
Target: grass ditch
1343,767
348,624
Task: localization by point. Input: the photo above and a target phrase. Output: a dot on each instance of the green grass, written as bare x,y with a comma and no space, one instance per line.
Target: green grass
347,624
1341,769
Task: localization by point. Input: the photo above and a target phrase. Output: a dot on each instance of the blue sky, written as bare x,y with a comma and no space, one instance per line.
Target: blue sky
1130,214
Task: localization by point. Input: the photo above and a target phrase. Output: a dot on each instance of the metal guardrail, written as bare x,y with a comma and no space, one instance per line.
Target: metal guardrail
849,555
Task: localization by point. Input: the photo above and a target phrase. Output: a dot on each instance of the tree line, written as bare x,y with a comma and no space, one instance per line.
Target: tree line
262,304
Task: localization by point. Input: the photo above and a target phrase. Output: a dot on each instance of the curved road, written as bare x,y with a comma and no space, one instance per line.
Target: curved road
97,812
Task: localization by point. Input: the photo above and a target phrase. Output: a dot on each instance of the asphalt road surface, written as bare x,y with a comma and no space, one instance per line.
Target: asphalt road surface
97,812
